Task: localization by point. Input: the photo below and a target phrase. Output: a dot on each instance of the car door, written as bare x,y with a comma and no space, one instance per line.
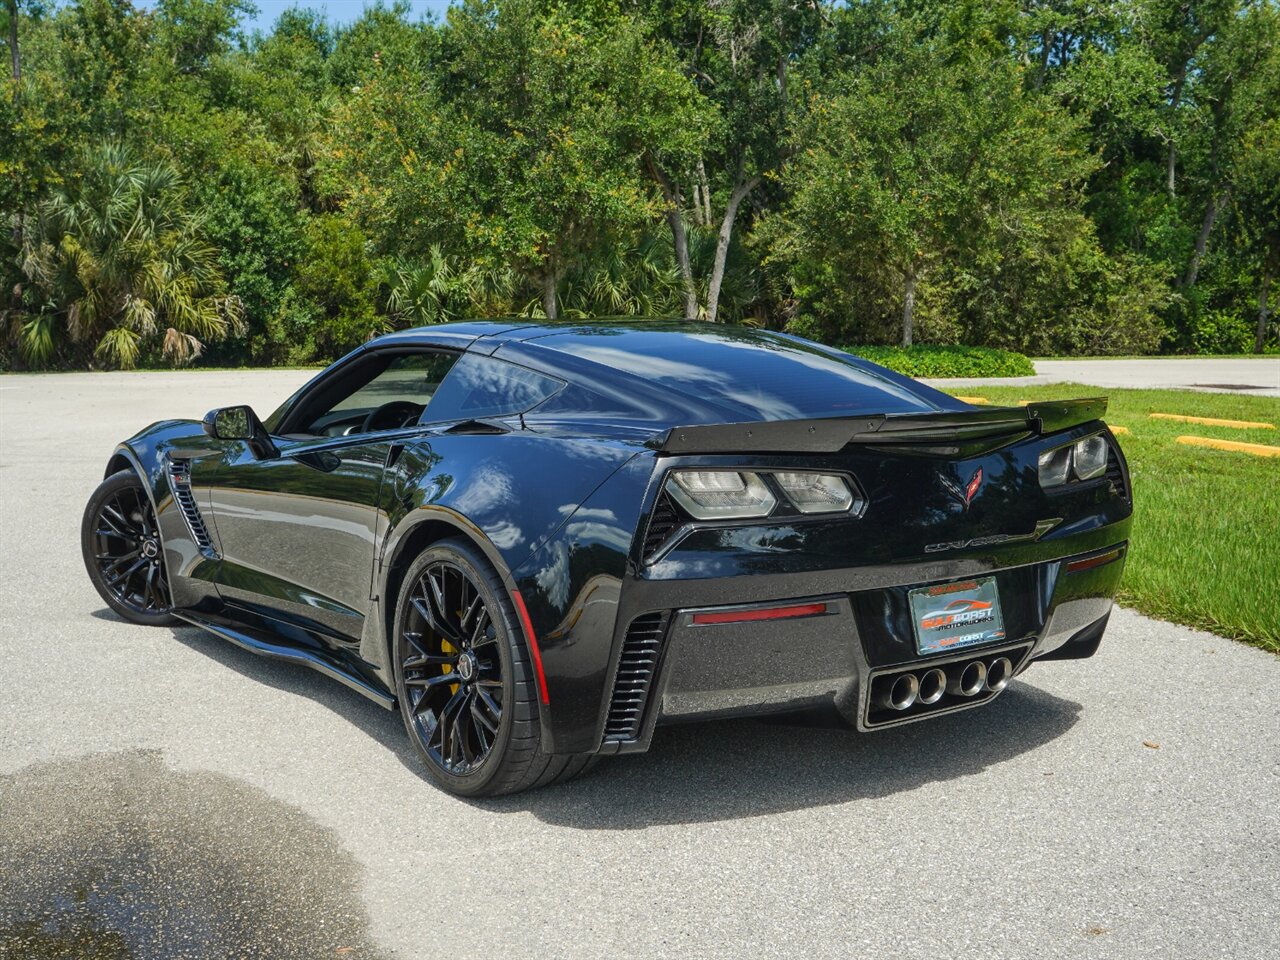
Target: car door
296,528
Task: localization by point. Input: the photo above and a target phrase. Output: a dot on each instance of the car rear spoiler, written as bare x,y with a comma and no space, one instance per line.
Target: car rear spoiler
943,431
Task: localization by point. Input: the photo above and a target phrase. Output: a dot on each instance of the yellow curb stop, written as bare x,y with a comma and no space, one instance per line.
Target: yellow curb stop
1118,430
1257,449
1214,421
978,400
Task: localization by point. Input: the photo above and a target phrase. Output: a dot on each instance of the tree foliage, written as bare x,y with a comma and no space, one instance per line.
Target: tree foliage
116,263
1043,175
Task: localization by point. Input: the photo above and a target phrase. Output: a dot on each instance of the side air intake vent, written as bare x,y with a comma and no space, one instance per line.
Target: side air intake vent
180,484
662,523
636,668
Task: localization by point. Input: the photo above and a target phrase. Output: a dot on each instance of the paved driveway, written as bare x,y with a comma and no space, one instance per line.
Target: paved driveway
1253,375
161,789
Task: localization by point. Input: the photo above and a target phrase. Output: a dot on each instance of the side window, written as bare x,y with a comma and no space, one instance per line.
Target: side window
379,396
479,387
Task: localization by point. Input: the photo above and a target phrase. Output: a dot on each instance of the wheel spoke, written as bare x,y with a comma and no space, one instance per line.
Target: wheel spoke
149,590
429,660
482,728
479,633
144,514
117,562
431,613
490,705
124,578
112,574
483,700
416,641
119,524
108,532
460,730
477,604
449,721
430,683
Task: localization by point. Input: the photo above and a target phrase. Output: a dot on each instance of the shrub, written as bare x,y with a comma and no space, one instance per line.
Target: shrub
1220,331
948,361
337,276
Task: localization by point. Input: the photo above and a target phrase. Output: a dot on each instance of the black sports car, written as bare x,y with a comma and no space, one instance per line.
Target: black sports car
539,541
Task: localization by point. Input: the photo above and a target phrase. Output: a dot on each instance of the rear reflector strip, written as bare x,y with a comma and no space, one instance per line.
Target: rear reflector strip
1088,563
523,613
765,613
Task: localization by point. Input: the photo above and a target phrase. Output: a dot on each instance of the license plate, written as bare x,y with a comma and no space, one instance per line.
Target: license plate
948,616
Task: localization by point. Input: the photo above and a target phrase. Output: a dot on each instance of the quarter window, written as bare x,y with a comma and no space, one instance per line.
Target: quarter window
479,387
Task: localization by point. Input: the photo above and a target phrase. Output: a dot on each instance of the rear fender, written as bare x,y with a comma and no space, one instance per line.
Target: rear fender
509,494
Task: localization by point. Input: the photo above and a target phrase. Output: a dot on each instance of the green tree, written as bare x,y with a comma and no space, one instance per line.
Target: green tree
1257,179
934,151
338,275
524,152
117,263
742,55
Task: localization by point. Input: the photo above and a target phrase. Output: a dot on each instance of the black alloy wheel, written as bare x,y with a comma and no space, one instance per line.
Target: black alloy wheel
451,668
124,552
464,681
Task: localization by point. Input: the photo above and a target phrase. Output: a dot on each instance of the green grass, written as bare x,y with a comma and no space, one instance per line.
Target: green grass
1206,527
933,360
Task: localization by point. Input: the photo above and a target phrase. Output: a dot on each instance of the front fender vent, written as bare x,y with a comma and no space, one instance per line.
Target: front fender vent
636,668
180,484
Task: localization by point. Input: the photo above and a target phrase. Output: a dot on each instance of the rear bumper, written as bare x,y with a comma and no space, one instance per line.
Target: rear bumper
843,644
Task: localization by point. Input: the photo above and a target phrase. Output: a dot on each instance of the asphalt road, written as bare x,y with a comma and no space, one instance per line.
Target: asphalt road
164,793
1258,376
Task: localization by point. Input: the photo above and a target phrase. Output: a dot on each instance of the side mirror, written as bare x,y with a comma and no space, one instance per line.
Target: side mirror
239,423
232,423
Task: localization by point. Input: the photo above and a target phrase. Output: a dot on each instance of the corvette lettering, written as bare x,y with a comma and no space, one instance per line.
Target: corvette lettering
1042,527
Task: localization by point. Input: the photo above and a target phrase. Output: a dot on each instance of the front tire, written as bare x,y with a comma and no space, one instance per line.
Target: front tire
124,552
464,681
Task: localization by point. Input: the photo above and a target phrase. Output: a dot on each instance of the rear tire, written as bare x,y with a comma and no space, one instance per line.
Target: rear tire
124,552
464,681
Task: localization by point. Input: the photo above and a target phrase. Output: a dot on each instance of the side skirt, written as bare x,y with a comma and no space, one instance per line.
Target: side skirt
265,646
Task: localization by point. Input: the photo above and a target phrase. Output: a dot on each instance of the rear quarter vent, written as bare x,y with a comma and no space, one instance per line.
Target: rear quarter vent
641,649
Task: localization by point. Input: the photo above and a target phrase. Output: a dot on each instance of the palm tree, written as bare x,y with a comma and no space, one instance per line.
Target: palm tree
117,262
635,277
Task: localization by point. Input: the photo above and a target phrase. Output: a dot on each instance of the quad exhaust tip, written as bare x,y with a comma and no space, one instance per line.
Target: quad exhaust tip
998,674
933,684
969,681
901,694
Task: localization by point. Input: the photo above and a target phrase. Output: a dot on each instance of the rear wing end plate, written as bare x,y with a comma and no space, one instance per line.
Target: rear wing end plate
941,432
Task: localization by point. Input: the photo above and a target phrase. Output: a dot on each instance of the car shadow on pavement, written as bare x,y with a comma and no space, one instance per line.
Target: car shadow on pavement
730,769
382,725
718,770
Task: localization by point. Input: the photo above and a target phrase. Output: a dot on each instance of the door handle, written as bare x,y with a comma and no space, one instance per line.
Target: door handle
393,454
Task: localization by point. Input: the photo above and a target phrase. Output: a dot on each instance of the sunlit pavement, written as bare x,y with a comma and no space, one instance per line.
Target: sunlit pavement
1257,376
165,792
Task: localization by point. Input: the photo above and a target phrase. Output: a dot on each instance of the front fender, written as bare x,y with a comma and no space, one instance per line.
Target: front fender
149,452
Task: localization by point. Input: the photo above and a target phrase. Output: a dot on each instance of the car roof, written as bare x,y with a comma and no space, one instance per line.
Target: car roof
715,372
